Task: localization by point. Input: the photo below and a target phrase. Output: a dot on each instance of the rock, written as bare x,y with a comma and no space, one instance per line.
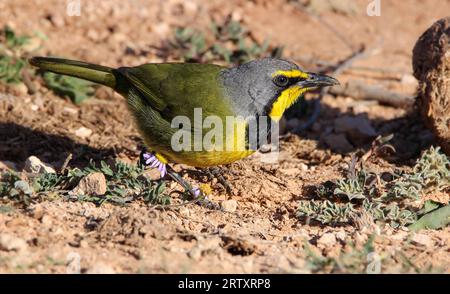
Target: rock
341,235
83,132
290,171
7,165
267,156
12,243
92,184
422,240
408,79
102,269
195,253
303,167
161,29
360,239
92,34
229,205
184,211
339,143
190,7
57,20
46,221
70,110
431,63
37,211
21,88
358,129
36,166
84,244
327,240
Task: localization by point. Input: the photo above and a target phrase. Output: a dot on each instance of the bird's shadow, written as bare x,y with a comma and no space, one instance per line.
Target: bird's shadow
19,142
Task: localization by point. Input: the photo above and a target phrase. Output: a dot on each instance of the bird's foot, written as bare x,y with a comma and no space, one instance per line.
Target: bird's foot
197,194
217,172
155,160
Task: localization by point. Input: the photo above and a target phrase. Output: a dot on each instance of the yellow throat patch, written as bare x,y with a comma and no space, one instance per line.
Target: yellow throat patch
285,100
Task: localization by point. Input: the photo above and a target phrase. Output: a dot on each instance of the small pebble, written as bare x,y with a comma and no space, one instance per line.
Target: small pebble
327,240
12,243
229,205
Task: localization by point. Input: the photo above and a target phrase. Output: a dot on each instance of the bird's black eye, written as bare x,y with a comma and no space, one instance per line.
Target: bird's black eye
281,81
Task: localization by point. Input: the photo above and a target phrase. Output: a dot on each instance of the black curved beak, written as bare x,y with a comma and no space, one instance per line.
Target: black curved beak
317,81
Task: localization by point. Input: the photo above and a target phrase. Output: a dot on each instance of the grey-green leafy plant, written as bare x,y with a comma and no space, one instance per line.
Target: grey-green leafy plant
391,202
390,213
76,89
233,44
12,62
355,188
326,212
353,261
362,260
431,173
124,183
15,188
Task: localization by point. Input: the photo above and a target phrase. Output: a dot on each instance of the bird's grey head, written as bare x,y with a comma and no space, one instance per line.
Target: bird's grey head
269,86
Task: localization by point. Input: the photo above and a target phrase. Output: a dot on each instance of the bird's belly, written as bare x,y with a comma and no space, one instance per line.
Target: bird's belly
207,158
219,155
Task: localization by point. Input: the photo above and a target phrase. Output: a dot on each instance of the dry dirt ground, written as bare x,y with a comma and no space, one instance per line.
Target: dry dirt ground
263,235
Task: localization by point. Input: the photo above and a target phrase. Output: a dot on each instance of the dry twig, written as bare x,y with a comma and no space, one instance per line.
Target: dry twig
360,91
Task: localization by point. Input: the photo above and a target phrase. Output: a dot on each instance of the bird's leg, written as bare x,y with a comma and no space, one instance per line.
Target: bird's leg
216,172
196,193
156,160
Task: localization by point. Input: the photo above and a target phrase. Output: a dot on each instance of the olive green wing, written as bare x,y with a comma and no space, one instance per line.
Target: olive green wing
175,89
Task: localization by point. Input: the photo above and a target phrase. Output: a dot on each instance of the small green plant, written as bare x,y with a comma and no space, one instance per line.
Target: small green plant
124,183
12,61
326,212
431,173
353,261
76,89
355,187
12,186
435,219
365,260
233,44
384,201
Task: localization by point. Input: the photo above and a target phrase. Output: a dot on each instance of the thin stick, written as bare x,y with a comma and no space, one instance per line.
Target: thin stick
66,163
360,91
28,83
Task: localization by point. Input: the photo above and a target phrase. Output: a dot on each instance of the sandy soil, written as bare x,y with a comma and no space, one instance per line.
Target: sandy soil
263,235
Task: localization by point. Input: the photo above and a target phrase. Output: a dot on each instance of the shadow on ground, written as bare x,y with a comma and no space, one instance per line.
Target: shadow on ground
19,142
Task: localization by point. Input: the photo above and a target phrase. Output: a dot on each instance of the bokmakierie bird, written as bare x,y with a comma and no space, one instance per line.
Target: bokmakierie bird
158,93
